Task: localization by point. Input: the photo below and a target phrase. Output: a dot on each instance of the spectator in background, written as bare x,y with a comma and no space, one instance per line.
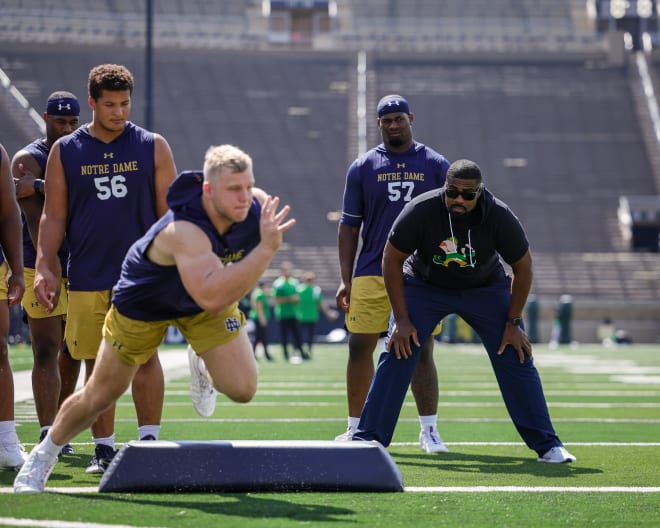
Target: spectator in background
561,333
622,337
54,372
260,314
605,332
245,304
12,287
285,300
608,334
312,303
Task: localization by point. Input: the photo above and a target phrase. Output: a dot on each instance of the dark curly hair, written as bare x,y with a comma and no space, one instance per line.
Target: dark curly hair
113,77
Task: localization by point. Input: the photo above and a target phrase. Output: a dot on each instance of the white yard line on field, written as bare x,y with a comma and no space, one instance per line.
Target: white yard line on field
485,444
401,420
537,489
413,489
52,523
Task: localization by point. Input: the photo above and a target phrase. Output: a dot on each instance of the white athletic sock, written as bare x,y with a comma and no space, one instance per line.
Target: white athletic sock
146,430
8,432
107,440
353,422
429,422
49,447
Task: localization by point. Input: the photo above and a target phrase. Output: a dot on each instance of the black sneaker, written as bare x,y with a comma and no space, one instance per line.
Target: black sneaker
148,437
66,450
103,455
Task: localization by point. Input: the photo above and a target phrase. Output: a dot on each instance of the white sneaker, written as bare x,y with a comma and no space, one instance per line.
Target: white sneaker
202,392
557,455
345,437
35,472
12,456
431,442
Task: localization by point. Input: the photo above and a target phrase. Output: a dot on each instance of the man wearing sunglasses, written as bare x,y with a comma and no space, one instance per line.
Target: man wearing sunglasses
378,185
443,256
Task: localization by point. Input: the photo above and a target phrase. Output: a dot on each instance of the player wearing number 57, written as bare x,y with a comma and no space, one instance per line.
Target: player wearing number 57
106,184
379,183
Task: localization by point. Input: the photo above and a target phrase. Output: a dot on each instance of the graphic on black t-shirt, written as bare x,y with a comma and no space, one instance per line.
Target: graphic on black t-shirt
464,257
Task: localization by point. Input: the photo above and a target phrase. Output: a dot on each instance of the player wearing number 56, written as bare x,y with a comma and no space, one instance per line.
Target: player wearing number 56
106,184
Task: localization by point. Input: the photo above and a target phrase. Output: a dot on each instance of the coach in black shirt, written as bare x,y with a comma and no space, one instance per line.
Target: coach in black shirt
443,256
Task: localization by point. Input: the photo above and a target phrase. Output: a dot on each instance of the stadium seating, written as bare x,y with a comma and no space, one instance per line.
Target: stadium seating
543,133
522,87
289,111
420,25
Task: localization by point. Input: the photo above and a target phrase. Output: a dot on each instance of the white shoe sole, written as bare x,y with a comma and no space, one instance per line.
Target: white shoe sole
435,449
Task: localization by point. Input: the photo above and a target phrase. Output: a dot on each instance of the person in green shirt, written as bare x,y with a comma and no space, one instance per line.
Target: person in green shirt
260,314
285,299
311,304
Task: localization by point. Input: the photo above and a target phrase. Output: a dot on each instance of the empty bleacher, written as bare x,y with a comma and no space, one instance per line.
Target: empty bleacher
176,23
418,25
289,111
284,109
470,26
558,136
557,141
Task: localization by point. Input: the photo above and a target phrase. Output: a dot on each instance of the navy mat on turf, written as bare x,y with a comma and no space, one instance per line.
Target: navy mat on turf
244,466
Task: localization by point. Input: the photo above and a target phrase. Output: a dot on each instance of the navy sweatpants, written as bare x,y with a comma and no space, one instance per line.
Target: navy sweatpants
485,310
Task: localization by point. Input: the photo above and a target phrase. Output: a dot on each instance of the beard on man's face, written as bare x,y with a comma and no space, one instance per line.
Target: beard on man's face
395,142
457,210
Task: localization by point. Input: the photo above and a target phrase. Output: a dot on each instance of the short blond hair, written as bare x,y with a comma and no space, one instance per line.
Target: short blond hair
221,156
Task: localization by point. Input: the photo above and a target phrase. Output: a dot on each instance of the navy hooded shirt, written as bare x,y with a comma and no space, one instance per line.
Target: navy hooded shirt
150,292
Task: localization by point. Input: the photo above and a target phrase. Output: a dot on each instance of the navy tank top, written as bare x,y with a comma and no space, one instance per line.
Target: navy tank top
112,202
151,292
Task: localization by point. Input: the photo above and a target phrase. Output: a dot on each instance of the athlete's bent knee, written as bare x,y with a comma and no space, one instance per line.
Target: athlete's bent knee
242,393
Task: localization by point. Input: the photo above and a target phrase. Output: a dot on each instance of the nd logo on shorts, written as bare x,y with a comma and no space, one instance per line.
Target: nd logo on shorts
232,324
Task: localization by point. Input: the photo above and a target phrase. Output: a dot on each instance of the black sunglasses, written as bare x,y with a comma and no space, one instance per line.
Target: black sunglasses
466,195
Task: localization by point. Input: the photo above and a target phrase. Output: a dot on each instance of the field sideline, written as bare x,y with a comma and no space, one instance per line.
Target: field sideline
605,404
